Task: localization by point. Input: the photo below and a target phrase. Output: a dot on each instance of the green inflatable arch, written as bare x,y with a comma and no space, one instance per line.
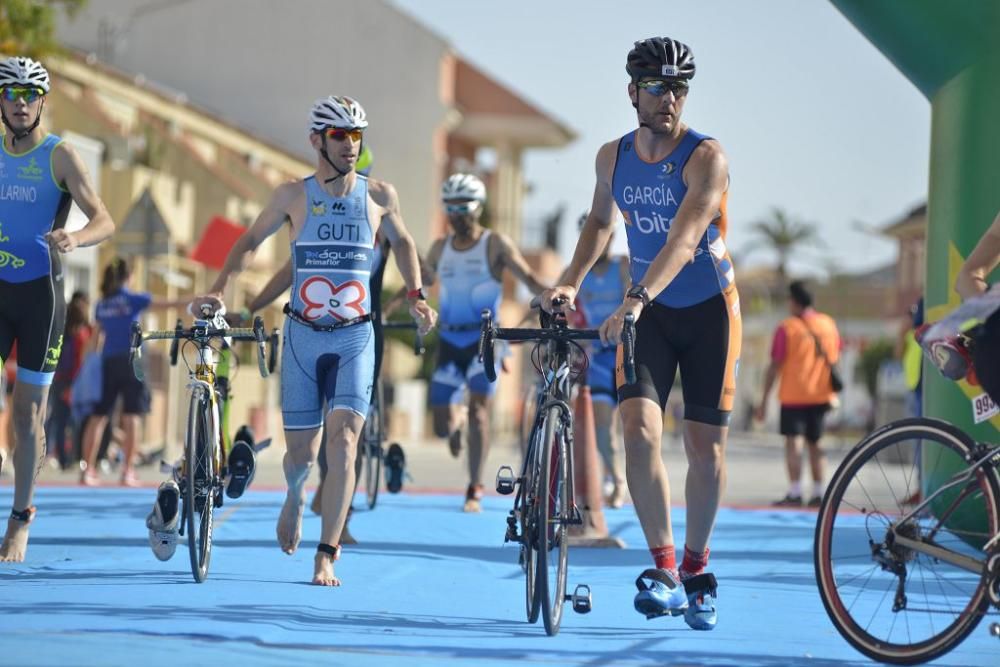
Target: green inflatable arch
951,52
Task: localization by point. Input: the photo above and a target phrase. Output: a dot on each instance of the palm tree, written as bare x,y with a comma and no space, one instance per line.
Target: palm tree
782,234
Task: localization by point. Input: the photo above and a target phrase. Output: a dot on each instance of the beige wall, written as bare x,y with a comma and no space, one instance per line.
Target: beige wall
263,63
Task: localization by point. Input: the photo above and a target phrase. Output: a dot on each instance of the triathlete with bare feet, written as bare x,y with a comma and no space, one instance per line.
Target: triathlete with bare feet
328,350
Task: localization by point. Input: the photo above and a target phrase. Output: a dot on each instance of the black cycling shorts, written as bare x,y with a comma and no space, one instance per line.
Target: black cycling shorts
804,420
33,313
703,341
118,379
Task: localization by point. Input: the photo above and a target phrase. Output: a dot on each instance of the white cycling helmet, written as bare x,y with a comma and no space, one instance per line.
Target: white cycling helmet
340,112
21,71
463,186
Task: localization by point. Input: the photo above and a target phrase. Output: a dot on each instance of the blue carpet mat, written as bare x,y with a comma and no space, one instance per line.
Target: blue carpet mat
428,585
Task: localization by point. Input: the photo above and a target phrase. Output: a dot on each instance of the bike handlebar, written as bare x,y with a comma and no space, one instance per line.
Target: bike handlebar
418,340
201,331
490,333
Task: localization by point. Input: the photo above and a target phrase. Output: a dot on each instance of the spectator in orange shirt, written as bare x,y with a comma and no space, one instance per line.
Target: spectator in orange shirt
805,347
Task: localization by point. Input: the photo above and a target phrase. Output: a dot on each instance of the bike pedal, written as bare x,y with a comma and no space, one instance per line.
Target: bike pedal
511,535
582,599
505,480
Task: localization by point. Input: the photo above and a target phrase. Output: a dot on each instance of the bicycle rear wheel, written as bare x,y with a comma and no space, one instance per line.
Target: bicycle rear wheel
372,446
893,603
199,487
551,506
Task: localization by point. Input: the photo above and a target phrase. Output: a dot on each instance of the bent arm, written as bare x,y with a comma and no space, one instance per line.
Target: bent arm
266,224
598,228
275,287
708,176
68,168
983,259
512,259
403,246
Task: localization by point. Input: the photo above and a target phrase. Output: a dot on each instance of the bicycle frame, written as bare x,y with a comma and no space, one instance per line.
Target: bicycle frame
201,383
991,459
556,394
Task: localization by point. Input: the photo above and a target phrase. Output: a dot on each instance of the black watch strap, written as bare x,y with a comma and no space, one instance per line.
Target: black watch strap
639,292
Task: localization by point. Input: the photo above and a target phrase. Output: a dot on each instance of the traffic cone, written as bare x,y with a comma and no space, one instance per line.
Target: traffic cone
587,478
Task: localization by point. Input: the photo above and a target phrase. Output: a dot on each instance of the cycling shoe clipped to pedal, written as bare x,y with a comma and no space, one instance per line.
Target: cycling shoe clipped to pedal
242,465
660,594
395,465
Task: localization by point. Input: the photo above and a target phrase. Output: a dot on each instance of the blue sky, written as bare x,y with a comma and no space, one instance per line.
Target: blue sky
813,118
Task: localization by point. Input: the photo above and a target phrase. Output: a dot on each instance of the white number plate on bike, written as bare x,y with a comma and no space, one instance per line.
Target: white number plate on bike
983,408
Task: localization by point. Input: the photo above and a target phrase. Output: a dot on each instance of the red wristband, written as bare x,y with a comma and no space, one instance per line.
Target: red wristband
415,293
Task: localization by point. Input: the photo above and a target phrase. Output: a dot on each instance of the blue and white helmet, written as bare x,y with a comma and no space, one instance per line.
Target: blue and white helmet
21,71
340,112
463,186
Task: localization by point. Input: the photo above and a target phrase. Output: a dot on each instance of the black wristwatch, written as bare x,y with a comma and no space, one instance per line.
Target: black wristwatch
639,292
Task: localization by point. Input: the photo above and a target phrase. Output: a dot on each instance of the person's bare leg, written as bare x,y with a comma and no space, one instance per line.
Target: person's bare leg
644,469
343,428
91,444
6,437
131,424
793,459
28,415
705,446
449,421
817,466
479,436
299,457
604,426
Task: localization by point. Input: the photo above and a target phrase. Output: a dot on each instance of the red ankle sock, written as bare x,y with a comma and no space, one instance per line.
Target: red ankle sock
665,558
693,564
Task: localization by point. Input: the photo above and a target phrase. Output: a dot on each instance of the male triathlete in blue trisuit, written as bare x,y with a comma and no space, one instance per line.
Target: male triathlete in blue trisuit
670,184
40,177
328,355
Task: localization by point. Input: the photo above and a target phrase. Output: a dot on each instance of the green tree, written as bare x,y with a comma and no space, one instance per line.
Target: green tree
782,234
27,27
867,367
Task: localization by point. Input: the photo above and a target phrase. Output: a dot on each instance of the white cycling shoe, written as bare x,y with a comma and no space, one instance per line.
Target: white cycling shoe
163,521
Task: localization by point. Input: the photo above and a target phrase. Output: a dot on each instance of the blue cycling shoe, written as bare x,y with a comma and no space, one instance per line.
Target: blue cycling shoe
702,590
660,594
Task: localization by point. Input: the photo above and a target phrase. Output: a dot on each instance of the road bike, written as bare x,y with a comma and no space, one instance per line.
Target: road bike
371,449
544,501
907,543
201,472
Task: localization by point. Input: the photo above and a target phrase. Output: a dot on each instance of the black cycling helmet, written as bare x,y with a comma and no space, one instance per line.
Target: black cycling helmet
660,57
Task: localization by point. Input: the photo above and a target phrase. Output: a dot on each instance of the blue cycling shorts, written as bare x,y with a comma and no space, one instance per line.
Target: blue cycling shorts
323,371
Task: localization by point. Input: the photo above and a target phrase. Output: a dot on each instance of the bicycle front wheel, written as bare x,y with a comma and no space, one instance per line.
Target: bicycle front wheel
894,603
553,515
199,488
528,497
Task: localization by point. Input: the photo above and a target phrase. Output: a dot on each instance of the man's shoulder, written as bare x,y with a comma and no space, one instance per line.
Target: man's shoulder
708,151
610,148
381,192
290,190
